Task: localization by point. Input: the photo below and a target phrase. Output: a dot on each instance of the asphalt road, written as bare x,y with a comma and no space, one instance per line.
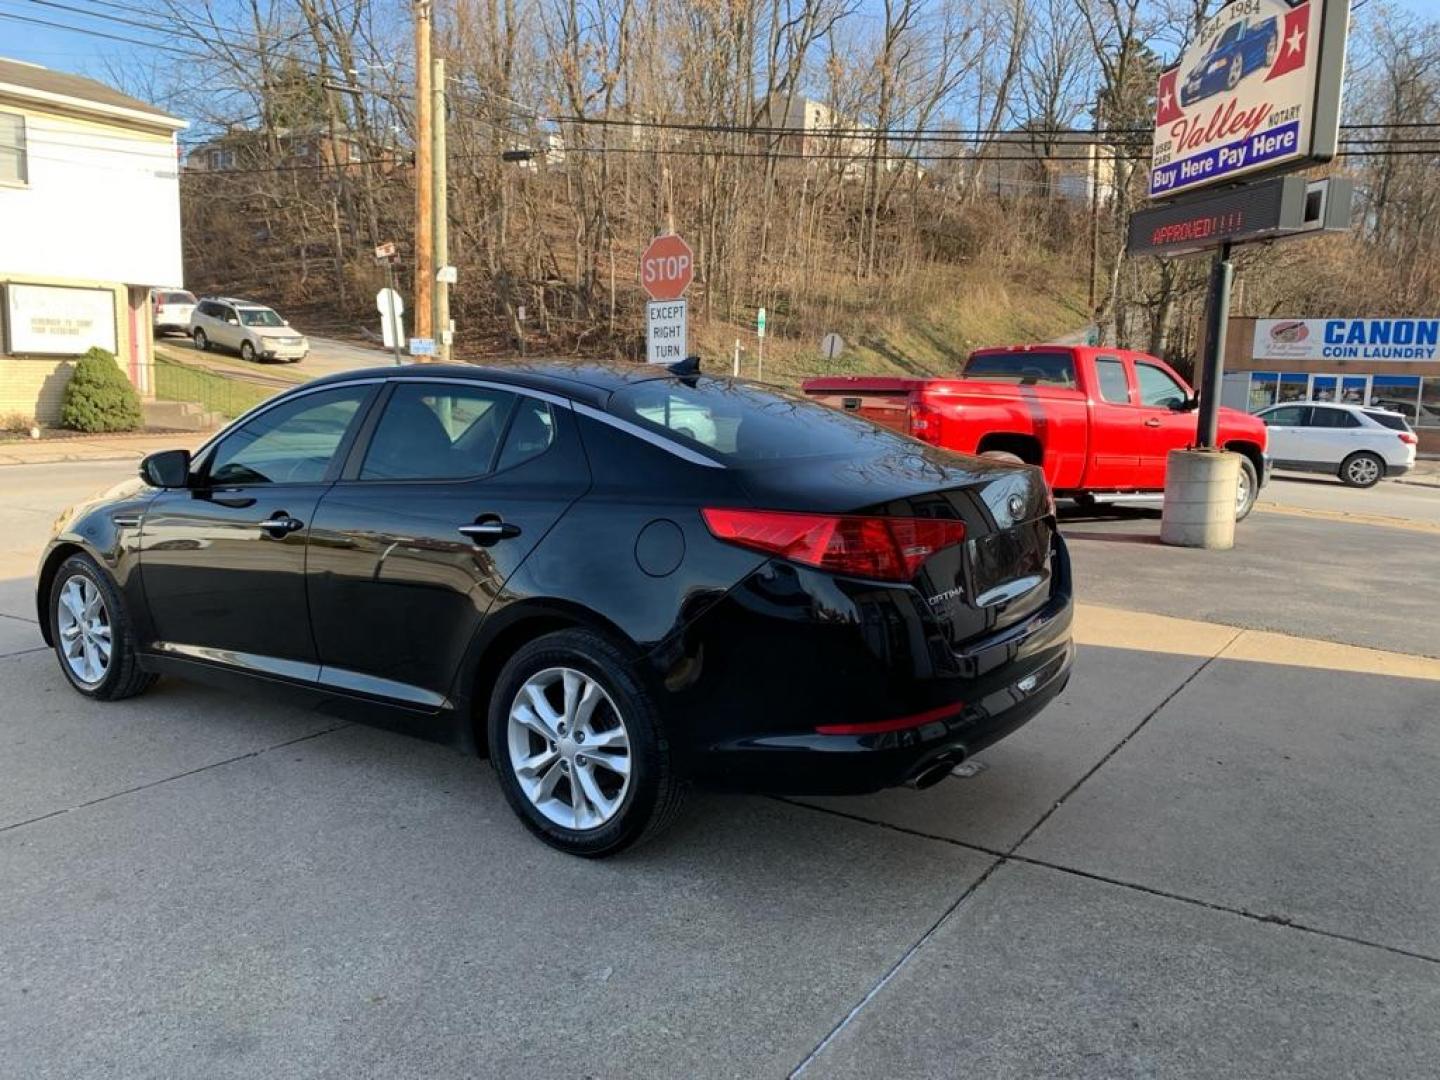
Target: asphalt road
1215,856
327,357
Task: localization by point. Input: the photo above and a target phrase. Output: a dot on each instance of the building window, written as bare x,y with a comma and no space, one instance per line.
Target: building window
1429,403
222,159
1293,388
13,160
1262,389
1398,393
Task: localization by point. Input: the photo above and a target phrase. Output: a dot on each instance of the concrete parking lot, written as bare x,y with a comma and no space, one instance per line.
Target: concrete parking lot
1216,856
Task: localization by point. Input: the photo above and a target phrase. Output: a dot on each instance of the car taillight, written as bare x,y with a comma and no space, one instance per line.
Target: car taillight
1408,438
885,548
925,422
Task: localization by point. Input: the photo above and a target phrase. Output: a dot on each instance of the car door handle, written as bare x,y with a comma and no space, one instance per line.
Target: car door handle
487,532
281,524
1154,421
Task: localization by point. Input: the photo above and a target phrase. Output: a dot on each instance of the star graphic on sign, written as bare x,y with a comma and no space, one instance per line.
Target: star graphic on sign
1296,41
1167,102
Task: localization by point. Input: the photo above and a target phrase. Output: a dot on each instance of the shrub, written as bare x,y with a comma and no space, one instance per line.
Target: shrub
16,422
98,397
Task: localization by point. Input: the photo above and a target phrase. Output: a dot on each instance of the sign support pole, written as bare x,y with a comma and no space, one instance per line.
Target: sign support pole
394,322
1217,323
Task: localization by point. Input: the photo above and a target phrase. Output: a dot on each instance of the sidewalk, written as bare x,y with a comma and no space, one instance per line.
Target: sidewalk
96,447
1425,474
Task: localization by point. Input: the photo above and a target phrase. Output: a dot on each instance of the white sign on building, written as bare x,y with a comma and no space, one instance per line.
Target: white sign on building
1347,339
51,320
665,326
1257,90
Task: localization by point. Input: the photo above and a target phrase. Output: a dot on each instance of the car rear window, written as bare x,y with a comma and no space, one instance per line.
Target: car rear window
1394,421
177,298
1022,368
740,423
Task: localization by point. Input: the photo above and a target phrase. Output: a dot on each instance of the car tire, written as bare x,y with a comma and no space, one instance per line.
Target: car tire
1362,469
101,613
1005,456
1233,74
1249,484
247,352
201,341
632,806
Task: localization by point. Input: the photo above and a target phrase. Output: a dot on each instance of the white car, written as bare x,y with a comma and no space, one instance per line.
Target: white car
255,331
172,310
1359,444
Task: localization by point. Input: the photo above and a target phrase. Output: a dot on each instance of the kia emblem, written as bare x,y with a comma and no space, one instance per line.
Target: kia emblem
1016,506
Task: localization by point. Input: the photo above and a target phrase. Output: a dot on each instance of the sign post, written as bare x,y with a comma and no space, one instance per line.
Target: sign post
1257,93
667,267
760,345
388,302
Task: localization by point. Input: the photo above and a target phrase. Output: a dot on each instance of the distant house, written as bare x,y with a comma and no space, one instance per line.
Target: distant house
89,223
1069,165
825,135
249,148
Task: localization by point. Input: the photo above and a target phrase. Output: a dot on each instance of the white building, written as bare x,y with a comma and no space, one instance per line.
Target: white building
89,223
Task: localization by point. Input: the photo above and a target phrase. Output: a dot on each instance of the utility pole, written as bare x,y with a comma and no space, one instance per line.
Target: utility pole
424,179
1095,208
441,170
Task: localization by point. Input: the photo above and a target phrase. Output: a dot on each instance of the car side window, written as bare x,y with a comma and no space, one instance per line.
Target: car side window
1114,385
292,443
1332,418
531,433
1290,416
437,431
1157,388
228,314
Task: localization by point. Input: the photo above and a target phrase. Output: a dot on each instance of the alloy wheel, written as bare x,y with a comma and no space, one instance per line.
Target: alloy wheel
1362,471
85,632
569,748
1242,491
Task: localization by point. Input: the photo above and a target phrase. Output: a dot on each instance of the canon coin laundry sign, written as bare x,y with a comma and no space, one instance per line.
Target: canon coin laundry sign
1258,89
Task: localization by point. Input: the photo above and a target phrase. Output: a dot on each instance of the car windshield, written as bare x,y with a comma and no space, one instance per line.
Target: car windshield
741,423
1391,420
1023,368
261,316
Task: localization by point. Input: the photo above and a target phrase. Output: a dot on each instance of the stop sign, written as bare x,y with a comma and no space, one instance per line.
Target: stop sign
667,268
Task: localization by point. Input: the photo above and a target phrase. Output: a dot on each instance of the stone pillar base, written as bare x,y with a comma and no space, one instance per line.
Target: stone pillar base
1200,499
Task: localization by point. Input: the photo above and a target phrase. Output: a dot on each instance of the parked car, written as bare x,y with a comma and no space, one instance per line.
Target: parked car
1099,422
255,331
528,560
172,310
1421,413
1244,47
1360,445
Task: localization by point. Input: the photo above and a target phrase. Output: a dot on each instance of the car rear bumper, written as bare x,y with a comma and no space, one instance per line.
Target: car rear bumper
823,711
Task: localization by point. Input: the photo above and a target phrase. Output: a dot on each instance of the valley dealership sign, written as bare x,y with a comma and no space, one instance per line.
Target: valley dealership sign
1258,90
1347,339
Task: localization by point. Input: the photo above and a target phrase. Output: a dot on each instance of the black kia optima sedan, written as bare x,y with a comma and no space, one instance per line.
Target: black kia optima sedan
615,581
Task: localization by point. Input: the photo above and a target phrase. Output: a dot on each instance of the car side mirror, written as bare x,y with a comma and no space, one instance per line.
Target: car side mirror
166,469
1188,404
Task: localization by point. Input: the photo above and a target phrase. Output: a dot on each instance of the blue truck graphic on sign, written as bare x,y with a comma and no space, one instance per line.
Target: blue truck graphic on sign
1241,50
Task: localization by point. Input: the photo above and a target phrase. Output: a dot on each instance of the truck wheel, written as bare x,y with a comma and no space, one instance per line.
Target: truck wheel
1247,488
1005,456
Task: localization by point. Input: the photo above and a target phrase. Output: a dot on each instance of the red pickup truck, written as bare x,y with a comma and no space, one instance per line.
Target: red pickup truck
1099,422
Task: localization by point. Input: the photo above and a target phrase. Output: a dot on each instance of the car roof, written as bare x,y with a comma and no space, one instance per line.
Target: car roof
588,381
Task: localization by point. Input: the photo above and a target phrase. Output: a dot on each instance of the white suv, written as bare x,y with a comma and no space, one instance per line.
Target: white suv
1359,444
172,310
252,330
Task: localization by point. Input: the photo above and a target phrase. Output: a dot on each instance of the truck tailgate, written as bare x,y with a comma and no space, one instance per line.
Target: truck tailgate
881,401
